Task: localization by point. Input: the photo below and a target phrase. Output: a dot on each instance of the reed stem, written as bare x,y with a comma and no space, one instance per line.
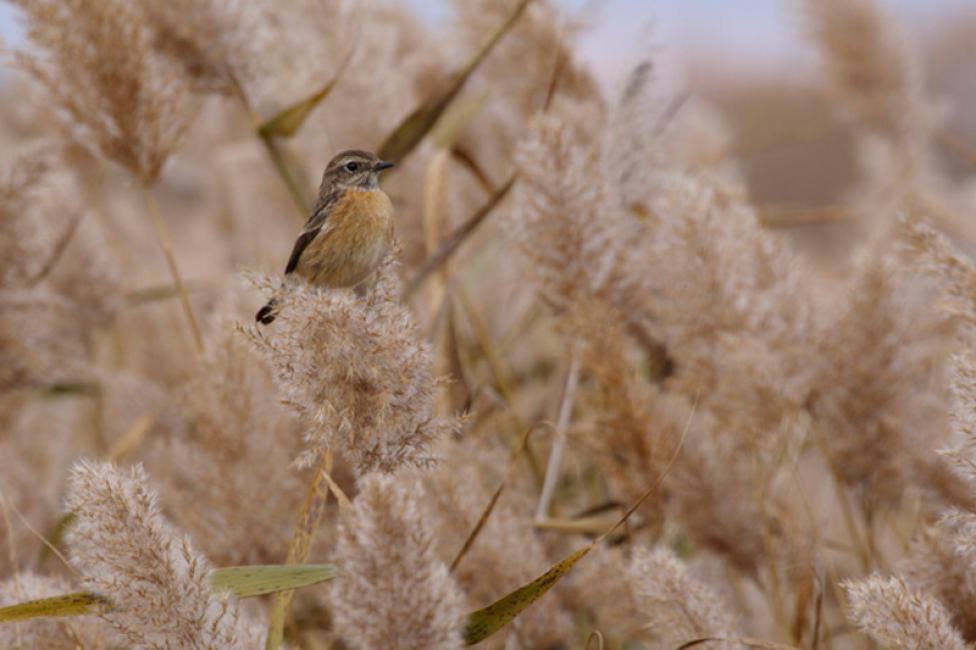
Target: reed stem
559,445
301,543
167,245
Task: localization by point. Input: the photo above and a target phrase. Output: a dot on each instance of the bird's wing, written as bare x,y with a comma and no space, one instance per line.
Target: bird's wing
300,245
316,225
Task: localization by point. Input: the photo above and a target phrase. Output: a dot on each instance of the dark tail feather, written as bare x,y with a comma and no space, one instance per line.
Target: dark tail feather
266,314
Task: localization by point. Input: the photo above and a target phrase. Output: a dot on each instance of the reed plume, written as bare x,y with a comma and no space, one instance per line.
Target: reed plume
397,594
156,580
898,617
356,373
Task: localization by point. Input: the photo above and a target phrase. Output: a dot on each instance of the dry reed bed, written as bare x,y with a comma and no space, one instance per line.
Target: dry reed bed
595,315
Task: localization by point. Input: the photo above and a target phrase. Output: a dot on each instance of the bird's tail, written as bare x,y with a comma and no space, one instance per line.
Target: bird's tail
266,314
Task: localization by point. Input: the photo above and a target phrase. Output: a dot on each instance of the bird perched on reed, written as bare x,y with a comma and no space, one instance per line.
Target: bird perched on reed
350,230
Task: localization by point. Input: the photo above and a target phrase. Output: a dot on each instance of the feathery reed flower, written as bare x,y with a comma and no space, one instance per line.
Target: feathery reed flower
652,596
877,80
357,373
115,93
888,610
235,429
678,607
209,40
157,582
876,398
454,496
943,564
562,221
58,285
933,254
879,89
962,414
394,592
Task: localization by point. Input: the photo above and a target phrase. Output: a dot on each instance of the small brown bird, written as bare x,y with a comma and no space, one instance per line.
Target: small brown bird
350,230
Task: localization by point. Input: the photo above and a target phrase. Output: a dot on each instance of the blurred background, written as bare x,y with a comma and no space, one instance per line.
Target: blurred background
748,59
754,130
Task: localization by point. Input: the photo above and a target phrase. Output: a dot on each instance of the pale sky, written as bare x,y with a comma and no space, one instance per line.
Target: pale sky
757,33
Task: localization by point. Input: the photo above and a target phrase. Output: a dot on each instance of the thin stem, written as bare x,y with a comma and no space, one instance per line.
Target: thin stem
167,245
486,513
559,445
847,514
59,248
501,379
458,237
308,523
278,158
294,191
956,147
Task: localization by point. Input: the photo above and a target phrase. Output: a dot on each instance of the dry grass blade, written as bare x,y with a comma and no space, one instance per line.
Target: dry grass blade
958,149
418,124
581,525
484,622
483,519
49,546
746,641
59,247
797,216
463,156
286,123
451,244
157,293
340,496
131,439
75,604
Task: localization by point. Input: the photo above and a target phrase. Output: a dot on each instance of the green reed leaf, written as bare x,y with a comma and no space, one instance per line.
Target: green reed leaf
75,604
257,580
71,389
455,119
483,623
418,124
241,581
286,123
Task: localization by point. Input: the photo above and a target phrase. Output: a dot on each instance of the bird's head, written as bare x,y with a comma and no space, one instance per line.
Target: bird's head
353,169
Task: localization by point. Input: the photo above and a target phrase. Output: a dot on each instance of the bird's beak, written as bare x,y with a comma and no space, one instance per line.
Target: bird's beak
381,165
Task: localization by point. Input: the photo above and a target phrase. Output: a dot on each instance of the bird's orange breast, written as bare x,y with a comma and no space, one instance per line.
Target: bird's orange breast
356,237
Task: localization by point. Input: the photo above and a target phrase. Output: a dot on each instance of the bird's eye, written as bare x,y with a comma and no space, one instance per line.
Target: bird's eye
351,167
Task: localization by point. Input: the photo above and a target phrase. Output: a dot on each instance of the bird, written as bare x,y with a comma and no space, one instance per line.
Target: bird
350,230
